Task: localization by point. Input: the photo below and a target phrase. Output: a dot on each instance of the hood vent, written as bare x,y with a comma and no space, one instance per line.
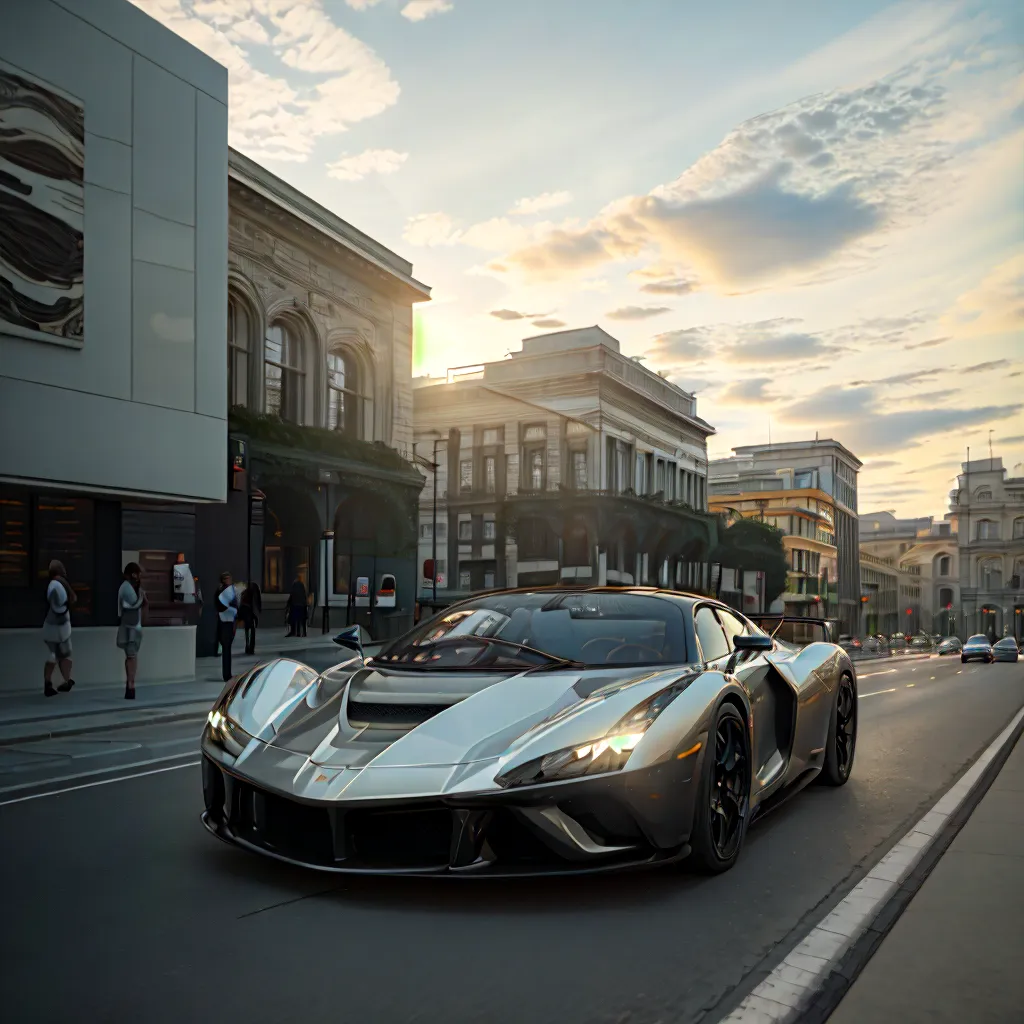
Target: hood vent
392,716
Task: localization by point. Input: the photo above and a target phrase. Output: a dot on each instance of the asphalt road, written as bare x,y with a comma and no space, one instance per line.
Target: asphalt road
118,906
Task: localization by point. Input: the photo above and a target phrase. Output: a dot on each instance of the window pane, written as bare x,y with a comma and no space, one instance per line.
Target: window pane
732,625
336,410
294,384
713,644
466,474
272,400
274,350
336,369
489,580
293,350
14,541
579,470
464,579
491,435
466,530
489,529
489,474
238,370
537,469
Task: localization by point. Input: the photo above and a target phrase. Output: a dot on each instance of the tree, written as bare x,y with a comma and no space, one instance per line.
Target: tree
753,546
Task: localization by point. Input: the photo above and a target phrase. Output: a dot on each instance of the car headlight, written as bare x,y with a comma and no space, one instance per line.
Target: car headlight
606,754
226,732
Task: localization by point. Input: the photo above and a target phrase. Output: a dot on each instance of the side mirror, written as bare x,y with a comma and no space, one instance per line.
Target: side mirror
754,642
351,639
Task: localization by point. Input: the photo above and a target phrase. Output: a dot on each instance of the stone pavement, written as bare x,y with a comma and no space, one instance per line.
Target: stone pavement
956,952
28,715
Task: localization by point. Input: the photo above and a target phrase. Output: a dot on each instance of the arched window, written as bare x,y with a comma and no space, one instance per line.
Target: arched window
238,353
1018,528
945,563
347,404
983,494
988,529
285,372
990,574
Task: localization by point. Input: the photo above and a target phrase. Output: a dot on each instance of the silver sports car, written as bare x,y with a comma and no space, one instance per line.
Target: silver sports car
542,731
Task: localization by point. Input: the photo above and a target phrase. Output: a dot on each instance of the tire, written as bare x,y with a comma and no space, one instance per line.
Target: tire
841,745
718,834
963,660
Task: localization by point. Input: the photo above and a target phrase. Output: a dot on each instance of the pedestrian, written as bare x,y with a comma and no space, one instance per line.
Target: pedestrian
250,608
297,609
227,620
131,599
60,599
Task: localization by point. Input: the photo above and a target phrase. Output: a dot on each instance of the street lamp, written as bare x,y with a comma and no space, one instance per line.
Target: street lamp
436,438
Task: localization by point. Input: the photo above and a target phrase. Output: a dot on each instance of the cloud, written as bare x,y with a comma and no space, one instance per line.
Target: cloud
813,187
538,204
512,314
548,322
881,464
673,286
910,377
430,229
856,416
995,306
322,80
370,161
928,344
1012,439
636,312
992,364
746,392
417,10
670,346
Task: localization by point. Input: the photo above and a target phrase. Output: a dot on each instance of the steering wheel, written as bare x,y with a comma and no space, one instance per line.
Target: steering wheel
612,641
635,647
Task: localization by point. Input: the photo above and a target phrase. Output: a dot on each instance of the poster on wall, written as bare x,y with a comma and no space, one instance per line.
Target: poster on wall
42,164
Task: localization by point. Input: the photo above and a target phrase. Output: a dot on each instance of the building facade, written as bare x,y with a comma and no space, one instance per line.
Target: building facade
880,595
927,554
566,460
113,399
808,489
989,508
319,380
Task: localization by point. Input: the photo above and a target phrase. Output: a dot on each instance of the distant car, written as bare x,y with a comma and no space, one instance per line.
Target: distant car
977,648
871,645
850,644
950,645
1005,649
920,643
898,643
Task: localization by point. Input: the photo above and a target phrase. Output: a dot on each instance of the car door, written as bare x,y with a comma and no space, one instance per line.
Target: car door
772,703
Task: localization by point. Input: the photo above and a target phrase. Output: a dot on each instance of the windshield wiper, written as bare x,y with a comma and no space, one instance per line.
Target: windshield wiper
553,661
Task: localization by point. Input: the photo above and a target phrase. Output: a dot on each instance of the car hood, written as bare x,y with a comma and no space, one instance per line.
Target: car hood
357,716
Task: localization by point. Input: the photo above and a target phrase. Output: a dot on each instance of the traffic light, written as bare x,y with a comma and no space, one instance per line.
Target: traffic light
864,599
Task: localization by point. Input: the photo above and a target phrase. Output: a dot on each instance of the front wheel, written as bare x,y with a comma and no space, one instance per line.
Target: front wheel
723,798
841,745
963,660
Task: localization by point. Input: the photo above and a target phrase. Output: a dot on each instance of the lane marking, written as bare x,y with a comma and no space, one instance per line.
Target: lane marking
4,790
804,972
99,782
875,693
909,685
868,675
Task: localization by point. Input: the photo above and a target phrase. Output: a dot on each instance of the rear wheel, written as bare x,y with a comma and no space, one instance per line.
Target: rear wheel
841,745
723,799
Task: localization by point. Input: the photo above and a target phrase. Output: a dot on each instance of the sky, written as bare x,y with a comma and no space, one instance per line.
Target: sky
809,214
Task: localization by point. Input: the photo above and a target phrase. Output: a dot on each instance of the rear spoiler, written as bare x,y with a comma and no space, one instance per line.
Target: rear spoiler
797,629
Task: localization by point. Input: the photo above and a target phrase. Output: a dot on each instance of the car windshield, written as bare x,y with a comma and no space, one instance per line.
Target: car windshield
531,629
1007,641
978,639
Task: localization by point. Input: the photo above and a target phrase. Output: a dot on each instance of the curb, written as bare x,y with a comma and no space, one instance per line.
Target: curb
811,980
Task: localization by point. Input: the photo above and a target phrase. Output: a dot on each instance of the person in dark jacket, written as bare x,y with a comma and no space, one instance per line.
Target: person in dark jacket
227,616
250,608
297,609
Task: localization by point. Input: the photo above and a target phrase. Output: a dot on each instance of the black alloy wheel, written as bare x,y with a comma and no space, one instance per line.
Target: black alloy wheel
720,821
841,745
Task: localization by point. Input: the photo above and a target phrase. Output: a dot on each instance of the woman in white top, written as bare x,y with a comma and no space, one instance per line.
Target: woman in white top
60,598
131,599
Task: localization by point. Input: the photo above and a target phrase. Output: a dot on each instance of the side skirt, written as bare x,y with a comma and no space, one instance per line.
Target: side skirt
784,795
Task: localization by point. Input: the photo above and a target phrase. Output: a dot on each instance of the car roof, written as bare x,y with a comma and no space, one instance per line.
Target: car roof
561,588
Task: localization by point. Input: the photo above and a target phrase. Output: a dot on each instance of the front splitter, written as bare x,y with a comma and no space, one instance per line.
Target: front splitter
481,869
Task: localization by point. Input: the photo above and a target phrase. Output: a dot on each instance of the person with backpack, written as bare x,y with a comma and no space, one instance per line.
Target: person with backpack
131,599
60,599
227,620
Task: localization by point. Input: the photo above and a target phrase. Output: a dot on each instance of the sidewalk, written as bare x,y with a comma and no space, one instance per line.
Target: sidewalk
956,953
28,715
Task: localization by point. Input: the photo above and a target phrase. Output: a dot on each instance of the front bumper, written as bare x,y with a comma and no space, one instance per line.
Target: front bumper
610,822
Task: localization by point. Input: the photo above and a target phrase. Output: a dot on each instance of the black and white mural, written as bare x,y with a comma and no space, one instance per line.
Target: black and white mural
42,164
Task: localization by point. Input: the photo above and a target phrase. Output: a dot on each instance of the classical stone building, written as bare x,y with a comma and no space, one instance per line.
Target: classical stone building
880,594
808,489
927,556
319,361
566,460
989,509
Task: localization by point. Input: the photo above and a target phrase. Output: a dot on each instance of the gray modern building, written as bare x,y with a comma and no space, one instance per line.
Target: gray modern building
802,480
113,370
